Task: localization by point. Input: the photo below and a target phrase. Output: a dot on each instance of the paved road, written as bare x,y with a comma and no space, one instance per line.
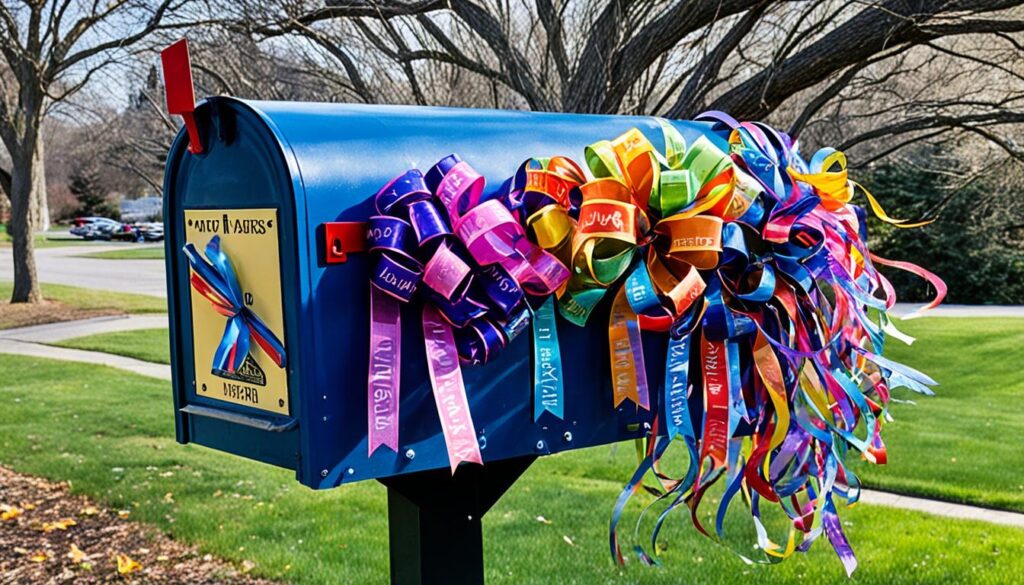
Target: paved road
66,265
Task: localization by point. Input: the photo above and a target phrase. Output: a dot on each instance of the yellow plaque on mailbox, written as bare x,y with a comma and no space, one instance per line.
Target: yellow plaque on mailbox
229,318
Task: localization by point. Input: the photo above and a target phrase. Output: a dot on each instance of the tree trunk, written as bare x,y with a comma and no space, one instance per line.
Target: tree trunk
25,183
39,210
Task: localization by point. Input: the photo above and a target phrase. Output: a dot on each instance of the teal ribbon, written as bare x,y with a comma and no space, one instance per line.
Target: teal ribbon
548,390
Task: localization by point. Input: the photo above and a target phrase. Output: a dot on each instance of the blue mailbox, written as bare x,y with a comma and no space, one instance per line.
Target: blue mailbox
271,179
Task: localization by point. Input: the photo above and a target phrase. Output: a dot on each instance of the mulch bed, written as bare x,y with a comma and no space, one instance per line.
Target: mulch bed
48,535
26,314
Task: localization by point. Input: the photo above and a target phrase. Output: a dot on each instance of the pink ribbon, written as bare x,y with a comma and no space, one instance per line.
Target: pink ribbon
385,371
493,236
449,389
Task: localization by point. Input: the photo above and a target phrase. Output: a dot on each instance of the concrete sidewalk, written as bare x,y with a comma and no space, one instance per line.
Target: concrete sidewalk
12,346
30,341
940,508
945,310
54,332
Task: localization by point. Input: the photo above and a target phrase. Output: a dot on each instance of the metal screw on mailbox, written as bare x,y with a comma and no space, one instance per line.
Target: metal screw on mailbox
323,473
482,441
410,454
204,387
540,445
567,436
350,471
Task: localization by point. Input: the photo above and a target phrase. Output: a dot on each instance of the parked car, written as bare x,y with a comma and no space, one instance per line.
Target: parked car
124,232
92,225
152,231
101,230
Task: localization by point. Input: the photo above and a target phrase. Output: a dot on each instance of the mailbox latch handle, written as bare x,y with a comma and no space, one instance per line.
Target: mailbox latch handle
342,238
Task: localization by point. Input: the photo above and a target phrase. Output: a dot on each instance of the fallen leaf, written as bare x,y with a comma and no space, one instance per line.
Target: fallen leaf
568,540
126,565
9,513
247,566
543,520
76,555
163,558
168,498
89,511
39,557
64,524
123,514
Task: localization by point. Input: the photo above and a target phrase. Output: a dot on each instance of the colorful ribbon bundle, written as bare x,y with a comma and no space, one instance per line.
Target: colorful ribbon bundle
214,278
753,261
773,359
470,260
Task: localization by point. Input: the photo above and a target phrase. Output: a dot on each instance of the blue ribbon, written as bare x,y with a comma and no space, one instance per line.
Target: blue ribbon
214,278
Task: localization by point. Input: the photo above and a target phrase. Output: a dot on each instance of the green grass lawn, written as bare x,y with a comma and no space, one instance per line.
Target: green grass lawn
86,298
963,444
149,345
111,435
147,253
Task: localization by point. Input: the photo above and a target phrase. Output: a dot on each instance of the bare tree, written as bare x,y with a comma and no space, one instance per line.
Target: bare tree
52,49
808,65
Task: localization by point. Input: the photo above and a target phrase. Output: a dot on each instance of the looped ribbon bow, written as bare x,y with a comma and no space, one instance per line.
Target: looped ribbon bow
465,253
762,267
214,278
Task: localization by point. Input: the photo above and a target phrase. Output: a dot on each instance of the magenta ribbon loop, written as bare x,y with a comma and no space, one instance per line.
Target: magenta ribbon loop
473,275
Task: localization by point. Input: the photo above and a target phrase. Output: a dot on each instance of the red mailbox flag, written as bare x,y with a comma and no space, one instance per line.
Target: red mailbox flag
181,97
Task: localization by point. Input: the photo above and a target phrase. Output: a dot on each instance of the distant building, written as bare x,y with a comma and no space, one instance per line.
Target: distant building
141,209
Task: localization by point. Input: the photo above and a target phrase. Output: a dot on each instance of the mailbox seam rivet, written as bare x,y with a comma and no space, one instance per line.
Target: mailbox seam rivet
350,471
540,445
567,436
410,454
323,473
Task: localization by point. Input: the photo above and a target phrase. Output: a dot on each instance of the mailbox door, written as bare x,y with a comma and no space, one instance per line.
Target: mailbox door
241,191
